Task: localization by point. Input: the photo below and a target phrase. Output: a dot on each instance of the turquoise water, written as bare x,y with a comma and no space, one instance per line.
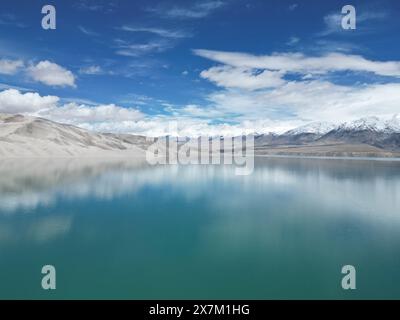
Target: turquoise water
114,230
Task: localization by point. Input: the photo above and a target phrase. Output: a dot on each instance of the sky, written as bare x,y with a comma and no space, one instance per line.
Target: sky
210,67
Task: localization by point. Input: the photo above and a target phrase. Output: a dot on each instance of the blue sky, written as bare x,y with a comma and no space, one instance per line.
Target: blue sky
213,66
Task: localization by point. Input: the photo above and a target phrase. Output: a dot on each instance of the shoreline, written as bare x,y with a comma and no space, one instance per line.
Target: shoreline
142,156
395,159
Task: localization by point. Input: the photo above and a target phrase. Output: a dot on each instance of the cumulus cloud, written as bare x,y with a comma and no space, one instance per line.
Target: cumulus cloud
263,87
31,103
309,101
83,115
10,67
194,111
184,126
261,94
51,74
191,120
13,101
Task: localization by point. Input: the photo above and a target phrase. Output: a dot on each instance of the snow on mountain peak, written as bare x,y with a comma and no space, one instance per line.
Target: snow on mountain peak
394,123
319,128
373,124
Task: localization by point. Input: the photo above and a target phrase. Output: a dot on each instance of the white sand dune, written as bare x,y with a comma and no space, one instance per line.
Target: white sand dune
24,136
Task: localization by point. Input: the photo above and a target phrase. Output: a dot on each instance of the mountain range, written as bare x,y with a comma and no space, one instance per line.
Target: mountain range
367,135
26,136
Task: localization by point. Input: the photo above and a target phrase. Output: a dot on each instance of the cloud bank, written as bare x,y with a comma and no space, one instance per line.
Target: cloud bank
289,88
31,103
252,93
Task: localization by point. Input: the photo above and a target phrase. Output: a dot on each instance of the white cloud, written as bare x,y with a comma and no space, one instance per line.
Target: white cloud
308,101
51,74
292,41
4,86
9,19
243,78
299,63
86,116
91,70
166,39
13,101
183,126
261,93
255,87
10,67
139,49
192,120
198,10
97,5
31,103
293,6
194,111
158,31
88,32
333,21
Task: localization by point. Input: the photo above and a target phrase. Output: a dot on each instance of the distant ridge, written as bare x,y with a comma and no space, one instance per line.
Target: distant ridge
366,137
25,136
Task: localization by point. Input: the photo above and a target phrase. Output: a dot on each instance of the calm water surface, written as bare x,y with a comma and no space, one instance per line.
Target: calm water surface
116,230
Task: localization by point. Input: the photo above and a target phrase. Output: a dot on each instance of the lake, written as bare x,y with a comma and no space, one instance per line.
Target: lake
125,230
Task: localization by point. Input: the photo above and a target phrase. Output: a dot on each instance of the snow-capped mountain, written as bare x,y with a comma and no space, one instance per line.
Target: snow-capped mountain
318,128
23,136
371,131
364,124
394,123
373,124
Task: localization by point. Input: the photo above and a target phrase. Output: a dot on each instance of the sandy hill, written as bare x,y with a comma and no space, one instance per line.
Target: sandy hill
23,136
